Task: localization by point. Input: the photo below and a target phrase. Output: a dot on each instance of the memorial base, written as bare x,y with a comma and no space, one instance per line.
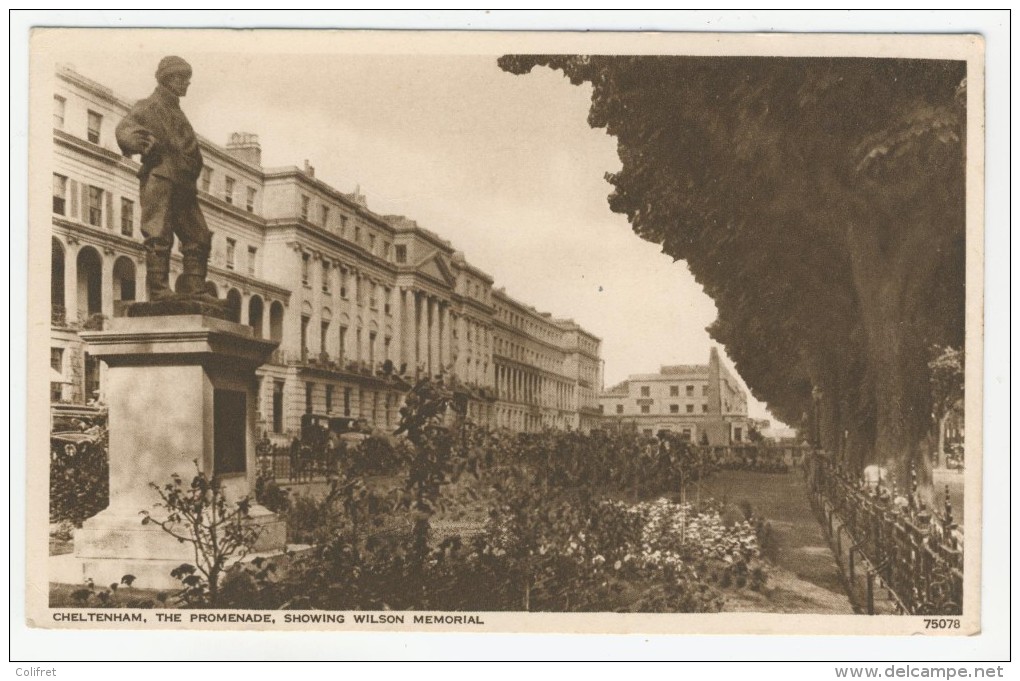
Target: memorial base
181,392
111,545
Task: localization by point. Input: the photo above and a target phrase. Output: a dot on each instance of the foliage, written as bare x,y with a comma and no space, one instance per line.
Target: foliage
198,514
820,202
270,494
117,595
79,476
947,379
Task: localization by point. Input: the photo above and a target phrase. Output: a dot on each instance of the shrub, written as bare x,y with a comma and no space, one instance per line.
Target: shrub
79,477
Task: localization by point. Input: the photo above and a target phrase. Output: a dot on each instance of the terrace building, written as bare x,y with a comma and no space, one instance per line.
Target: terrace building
362,304
702,402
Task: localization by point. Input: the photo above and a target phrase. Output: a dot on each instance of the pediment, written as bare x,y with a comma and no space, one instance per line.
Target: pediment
434,268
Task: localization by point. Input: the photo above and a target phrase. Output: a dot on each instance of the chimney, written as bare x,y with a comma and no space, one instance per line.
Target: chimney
359,198
309,169
245,146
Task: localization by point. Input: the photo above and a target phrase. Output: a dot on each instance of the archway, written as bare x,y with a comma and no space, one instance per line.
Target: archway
276,321
234,304
90,282
255,307
124,279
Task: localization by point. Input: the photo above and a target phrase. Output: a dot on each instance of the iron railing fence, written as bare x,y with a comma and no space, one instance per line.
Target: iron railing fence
887,540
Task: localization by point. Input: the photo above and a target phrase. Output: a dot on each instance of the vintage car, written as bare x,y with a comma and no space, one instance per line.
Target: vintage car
75,428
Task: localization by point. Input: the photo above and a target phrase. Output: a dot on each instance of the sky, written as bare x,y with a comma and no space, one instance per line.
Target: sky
505,167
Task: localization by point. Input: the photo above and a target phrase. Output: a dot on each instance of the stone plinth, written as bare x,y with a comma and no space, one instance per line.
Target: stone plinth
178,305
180,390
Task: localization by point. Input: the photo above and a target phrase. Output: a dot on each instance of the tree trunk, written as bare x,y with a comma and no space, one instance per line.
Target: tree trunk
940,454
884,275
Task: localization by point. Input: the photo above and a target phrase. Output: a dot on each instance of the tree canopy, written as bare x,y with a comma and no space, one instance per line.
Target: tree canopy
820,203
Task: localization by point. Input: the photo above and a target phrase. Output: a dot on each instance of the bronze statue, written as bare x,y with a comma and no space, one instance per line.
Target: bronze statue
157,129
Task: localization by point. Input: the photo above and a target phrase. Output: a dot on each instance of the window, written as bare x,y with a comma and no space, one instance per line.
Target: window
329,398
371,244
386,300
59,105
304,337
401,253
704,409
704,389
343,283
305,204
206,178
277,406
323,335
343,342
231,250
306,260
674,409
59,194
686,434
309,392
252,254
645,391
325,276
387,250
324,216
690,408
357,234
386,346
127,216
249,202
645,409
95,124
373,301
619,409
228,189
674,391
343,226
738,434
95,212
690,391
347,401
57,359
371,349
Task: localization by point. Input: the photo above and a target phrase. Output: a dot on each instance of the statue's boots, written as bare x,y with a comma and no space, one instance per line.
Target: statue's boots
157,276
192,282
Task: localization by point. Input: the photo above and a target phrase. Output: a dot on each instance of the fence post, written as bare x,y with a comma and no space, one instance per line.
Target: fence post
871,592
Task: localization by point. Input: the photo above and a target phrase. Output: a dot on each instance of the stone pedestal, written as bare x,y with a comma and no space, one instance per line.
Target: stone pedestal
181,389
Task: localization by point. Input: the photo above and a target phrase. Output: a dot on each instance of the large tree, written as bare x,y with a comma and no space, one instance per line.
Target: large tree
820,202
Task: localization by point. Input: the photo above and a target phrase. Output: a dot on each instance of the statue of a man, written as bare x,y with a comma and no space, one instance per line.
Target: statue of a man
157,129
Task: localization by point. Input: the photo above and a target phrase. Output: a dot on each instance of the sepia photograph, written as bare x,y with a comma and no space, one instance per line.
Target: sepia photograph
381,331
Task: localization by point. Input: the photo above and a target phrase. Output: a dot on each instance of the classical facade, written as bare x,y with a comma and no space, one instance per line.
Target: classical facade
547,369
362,304
702,402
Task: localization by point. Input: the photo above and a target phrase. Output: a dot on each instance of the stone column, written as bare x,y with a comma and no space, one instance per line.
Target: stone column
245,302
71,281
266,327
433,337
462,348
106,284
421,356
396,343
448,337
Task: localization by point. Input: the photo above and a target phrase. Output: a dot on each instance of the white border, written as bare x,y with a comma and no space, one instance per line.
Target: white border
992,644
